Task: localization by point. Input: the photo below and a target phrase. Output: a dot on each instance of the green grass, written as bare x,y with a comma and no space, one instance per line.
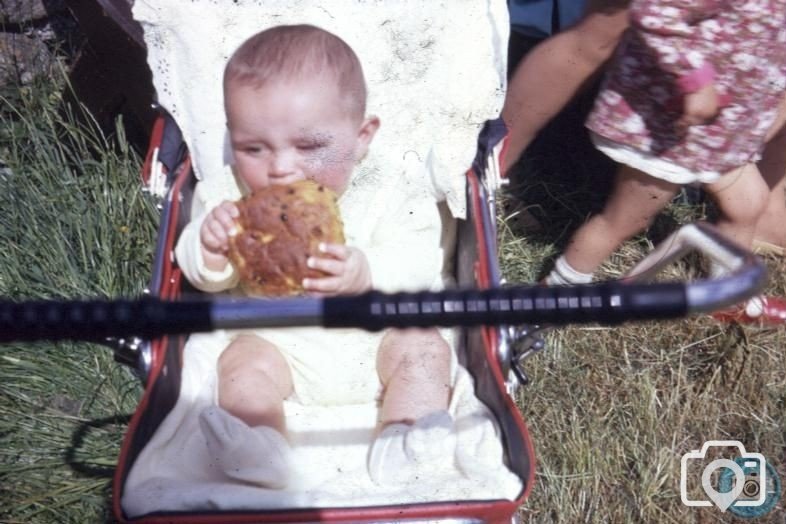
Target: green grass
74,223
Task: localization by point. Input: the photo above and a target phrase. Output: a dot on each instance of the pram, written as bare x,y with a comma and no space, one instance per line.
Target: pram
494,355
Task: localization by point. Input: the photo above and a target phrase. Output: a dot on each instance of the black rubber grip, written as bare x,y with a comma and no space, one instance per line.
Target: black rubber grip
606,303
96,320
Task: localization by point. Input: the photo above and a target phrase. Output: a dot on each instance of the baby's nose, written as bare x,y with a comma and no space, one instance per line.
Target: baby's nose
282,164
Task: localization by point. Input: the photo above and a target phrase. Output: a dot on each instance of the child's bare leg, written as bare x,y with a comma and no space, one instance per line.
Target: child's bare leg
552,73
741,196
253,381
635,200
414,367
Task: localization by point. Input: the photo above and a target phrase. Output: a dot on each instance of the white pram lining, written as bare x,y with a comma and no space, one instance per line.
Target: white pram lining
330,446
433,80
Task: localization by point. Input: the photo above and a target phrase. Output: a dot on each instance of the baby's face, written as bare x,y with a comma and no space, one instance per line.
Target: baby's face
295,130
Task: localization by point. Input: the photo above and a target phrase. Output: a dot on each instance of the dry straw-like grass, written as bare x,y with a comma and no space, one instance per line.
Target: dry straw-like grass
612,409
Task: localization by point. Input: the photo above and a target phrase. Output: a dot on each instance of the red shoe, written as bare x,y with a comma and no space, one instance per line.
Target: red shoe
761,310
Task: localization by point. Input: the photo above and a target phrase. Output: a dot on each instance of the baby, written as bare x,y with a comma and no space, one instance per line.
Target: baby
295,102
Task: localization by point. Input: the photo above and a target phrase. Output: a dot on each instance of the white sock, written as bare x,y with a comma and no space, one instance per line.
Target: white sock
403,452
479,450
259,455
564,275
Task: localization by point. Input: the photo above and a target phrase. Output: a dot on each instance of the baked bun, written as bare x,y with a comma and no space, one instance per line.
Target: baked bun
278,229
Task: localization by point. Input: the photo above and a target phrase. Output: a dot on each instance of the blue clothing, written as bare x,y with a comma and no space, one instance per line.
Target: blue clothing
540,18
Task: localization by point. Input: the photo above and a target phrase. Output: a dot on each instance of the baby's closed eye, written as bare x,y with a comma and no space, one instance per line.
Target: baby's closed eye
253,150
312,145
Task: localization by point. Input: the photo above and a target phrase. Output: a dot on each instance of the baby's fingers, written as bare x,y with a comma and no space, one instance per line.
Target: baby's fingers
225,214
339,251
215,236
328,285
331,266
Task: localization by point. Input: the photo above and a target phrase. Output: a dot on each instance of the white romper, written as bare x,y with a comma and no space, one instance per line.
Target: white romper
399,234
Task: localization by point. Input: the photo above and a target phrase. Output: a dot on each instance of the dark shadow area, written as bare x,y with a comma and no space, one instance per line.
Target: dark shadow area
63,25
79,439
81,442
109,74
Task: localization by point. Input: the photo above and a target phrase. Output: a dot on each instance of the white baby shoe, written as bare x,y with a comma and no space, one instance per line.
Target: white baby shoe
403,453
259,455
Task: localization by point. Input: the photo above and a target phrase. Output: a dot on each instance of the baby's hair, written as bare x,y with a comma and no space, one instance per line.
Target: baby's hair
298,52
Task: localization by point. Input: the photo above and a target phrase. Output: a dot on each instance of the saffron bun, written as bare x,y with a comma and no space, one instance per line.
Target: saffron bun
278,229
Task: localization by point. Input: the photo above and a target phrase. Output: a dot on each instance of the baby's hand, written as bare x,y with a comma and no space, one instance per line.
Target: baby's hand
215,232
700,107
348,269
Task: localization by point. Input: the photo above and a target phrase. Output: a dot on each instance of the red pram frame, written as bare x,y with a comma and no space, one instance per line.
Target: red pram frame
162,356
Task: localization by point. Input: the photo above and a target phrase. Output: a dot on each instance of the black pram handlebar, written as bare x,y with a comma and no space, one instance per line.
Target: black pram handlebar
607,303
150,317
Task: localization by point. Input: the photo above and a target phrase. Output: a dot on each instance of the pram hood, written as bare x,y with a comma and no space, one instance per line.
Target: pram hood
435,74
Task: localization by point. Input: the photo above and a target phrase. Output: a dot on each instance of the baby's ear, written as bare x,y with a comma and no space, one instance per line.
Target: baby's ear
366,134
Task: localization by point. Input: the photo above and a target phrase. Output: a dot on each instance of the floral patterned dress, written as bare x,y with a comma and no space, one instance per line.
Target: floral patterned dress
675,47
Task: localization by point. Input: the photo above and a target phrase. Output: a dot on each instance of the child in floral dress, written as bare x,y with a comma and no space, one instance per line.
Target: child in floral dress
691,95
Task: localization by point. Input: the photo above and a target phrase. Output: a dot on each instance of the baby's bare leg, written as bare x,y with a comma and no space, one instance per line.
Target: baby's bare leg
253,381
742,196
552,73
414,367
635,200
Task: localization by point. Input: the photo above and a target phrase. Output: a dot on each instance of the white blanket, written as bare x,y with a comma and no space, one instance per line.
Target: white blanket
435,73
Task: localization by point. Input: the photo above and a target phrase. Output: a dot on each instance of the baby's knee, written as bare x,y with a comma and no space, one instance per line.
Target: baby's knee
408,347
251,359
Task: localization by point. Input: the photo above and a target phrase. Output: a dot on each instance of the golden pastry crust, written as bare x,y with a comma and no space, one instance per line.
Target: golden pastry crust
278,229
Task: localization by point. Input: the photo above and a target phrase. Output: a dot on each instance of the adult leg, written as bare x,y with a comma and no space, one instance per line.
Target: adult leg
414,368
551,74
770,231
634,202
253,381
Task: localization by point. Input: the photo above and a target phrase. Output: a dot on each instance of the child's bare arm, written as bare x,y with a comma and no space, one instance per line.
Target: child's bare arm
347,267
214,235
192,257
